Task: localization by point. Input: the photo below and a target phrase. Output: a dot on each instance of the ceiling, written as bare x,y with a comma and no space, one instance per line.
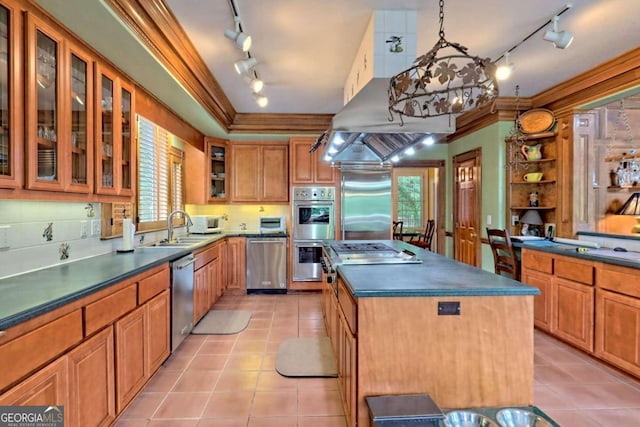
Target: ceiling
305,48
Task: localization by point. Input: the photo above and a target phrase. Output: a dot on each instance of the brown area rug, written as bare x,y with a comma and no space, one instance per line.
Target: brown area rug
222,322
306,357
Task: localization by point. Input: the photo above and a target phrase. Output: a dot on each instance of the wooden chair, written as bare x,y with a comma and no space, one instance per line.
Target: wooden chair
424,240
504,258
397,230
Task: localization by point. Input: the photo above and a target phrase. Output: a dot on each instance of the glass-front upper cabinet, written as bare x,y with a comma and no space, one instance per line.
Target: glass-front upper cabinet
114,128
44,115
10,93
80,140
126,136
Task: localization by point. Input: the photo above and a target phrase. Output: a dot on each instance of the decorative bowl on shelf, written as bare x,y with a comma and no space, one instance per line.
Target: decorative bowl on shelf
221,175
218,155
213,175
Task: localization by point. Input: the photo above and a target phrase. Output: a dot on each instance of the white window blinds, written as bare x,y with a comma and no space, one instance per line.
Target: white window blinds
153,178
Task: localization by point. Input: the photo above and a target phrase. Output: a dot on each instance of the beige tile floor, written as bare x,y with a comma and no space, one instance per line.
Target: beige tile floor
230,380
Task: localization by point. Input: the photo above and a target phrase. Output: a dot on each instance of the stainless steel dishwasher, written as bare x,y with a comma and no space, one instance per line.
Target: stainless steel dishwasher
181,299
267,264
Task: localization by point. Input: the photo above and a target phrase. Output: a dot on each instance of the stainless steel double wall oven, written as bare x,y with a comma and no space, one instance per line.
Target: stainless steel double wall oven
313,220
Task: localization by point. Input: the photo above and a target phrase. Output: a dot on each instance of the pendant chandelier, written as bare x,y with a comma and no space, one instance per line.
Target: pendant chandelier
443,82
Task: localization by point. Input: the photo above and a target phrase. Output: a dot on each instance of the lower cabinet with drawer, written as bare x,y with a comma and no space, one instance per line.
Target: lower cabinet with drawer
565,306
94,377
618,317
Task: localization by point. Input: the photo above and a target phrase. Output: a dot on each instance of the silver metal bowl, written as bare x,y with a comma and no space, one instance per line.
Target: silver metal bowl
512,417
467,419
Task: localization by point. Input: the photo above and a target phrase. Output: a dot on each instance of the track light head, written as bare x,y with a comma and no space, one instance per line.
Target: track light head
244,65
255,83
503,72
242,40
560,39
261,100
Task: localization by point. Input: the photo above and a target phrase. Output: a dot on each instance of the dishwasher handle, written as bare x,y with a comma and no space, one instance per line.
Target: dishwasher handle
184,263
261,241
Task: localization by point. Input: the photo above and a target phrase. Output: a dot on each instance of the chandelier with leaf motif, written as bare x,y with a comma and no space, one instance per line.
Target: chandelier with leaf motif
445,80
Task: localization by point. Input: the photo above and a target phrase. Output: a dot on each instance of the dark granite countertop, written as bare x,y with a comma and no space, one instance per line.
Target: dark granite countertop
436,276
608,255
25,296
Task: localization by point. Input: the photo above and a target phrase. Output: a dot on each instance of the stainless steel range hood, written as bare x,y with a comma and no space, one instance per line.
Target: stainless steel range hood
364,131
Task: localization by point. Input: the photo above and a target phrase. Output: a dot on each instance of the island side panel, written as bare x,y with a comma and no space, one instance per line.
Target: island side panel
482,357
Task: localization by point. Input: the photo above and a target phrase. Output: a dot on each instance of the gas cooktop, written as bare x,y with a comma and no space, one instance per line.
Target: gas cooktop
370,253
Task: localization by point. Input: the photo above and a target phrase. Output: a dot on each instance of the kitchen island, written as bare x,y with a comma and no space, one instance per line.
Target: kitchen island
458,333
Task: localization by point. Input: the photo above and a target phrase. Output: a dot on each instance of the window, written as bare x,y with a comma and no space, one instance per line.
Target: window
410,201
160,175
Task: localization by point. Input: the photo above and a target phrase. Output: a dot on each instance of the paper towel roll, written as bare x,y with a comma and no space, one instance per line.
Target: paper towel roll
127,234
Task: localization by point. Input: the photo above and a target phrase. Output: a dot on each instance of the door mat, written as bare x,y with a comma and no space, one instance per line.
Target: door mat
222,322
306,357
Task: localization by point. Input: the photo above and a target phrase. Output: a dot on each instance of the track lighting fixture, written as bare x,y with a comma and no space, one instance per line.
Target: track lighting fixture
244,65
242,40
560,40
261,100
255,83
503,72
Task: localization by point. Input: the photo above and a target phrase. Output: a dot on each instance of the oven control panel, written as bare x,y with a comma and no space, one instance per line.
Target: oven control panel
313,193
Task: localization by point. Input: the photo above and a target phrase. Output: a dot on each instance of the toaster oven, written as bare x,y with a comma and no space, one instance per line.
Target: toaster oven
207,224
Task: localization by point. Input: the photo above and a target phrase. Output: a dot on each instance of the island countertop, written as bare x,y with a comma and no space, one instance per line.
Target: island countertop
437,275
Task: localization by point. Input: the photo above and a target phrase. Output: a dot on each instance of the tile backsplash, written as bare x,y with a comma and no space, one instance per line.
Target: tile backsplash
37,234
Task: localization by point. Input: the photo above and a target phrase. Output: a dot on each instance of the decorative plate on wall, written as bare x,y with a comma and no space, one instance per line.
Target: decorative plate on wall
536,121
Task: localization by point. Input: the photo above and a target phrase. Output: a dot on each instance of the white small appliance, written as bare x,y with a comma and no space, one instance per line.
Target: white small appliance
207,224
273,224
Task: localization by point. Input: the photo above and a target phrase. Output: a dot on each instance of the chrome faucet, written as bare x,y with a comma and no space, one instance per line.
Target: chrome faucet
170,223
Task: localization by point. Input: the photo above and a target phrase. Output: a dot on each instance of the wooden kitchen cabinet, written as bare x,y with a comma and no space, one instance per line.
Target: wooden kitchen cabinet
59,122
573,301
308,168
131,372
158,331
618,317
236,265
114,124
47,387
11,148
92,382
216,179
537,269
200,294
259,172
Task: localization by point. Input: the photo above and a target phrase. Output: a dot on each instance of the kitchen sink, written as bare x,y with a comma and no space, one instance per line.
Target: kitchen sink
185,241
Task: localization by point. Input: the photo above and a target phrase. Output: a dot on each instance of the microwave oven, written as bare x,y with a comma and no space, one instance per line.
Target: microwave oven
273,224
206,224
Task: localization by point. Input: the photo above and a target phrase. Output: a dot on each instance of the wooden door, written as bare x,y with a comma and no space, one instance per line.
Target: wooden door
158,341
91,382
467,207
130,359
47,387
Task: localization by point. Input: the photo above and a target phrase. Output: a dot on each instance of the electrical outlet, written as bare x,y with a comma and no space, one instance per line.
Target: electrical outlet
95,227
84,229
514,220
489,219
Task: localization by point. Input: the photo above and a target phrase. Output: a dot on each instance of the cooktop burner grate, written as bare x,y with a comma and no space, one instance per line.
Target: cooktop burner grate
360,247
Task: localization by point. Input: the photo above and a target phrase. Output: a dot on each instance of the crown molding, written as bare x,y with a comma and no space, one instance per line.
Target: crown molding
280,123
